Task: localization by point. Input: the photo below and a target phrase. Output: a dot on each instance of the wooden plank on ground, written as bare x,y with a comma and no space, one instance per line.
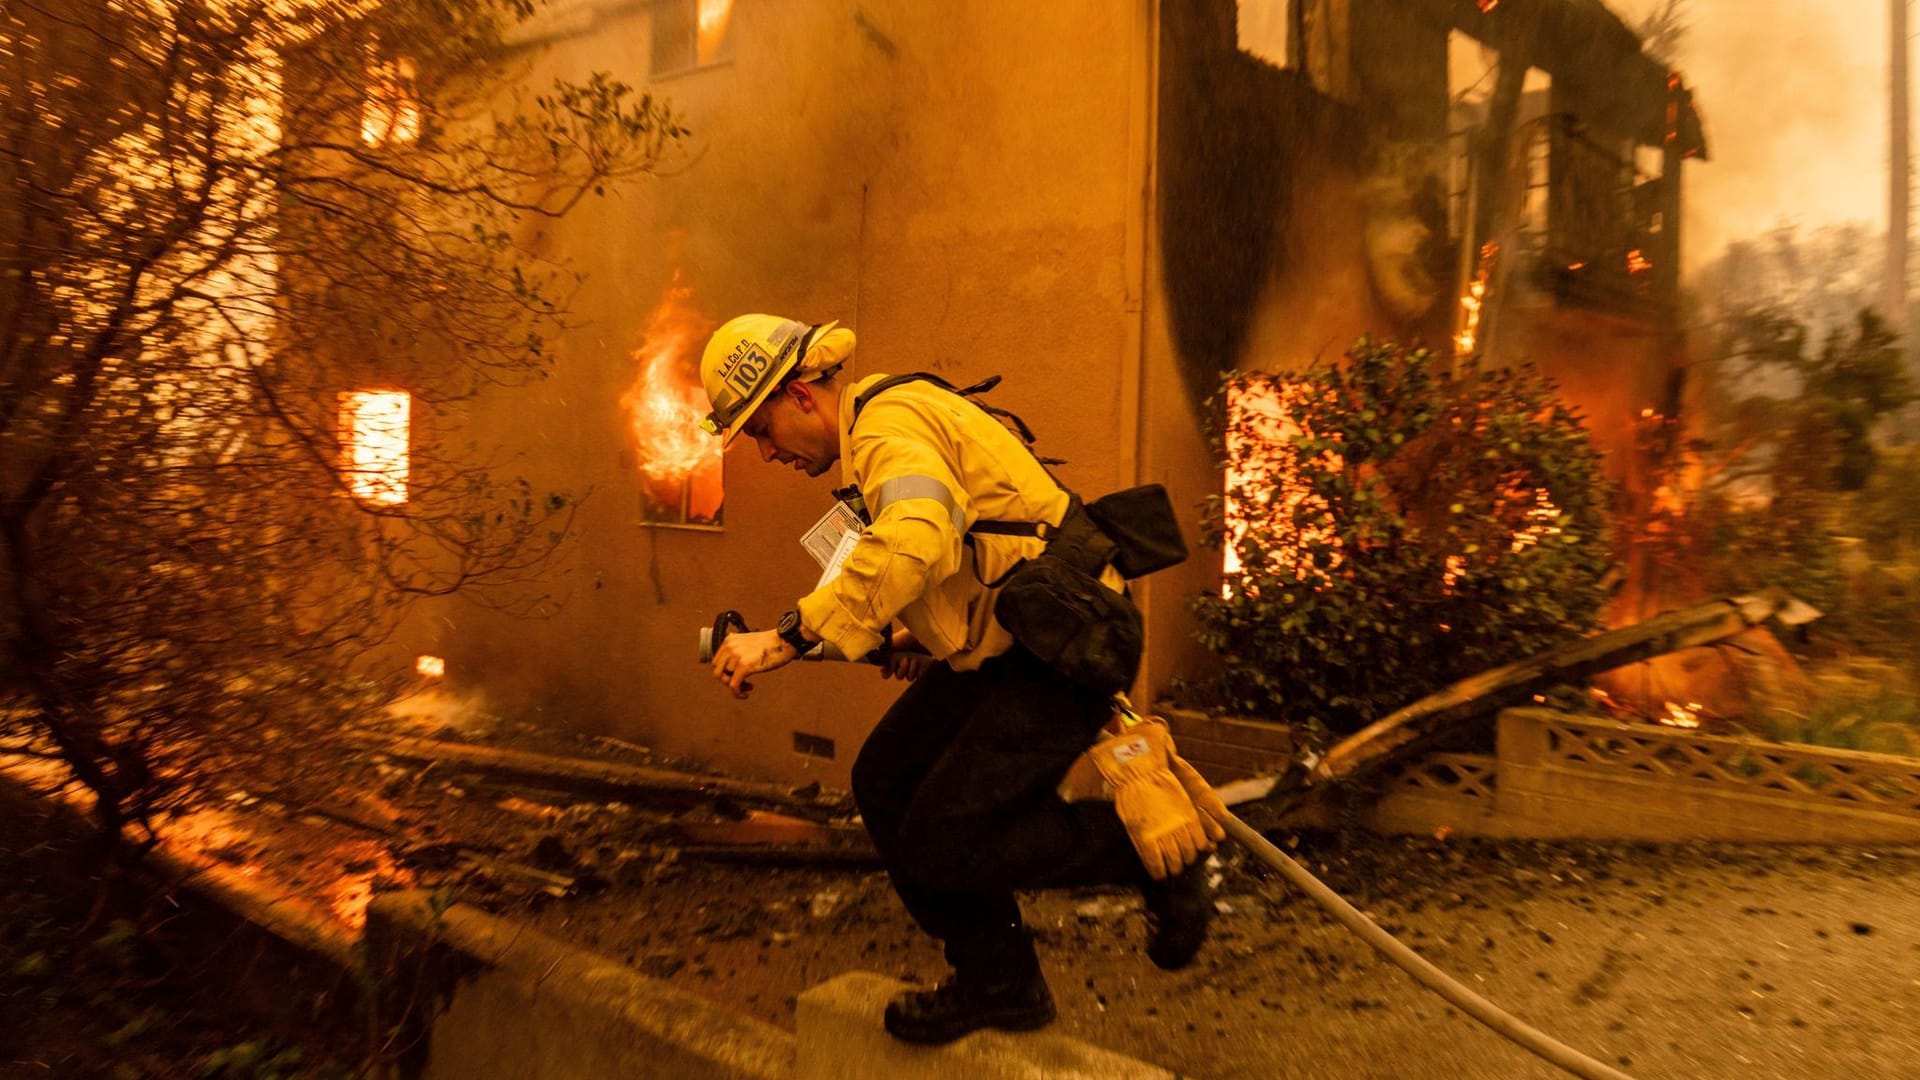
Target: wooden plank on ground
601,777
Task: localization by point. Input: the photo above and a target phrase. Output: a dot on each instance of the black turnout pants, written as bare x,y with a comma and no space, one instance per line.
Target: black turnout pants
957,788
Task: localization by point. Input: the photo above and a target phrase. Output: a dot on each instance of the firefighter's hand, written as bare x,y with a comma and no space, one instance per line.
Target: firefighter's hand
905,660
749,653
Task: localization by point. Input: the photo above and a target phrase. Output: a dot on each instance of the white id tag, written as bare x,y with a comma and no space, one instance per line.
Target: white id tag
834,531
838,559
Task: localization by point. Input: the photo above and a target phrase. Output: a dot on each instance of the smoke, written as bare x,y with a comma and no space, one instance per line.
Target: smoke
1794,96
439,711
1401,209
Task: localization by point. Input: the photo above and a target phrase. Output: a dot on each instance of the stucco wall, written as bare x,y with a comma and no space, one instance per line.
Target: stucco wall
951,182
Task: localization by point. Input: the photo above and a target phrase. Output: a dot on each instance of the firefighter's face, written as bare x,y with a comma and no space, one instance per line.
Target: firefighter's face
795,426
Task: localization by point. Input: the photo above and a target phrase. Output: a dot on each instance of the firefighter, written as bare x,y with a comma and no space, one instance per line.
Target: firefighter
957,783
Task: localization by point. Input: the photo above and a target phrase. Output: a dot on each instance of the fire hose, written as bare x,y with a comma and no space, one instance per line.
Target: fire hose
1452,990
1456,994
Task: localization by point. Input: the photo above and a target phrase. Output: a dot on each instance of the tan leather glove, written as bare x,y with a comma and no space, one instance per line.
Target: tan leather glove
1154,806
1213,809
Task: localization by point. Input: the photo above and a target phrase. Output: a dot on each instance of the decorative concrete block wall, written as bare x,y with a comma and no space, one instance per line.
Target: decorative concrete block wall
1557,775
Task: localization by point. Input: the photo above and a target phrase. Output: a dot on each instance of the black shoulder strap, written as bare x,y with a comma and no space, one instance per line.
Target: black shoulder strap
995,528
891,381
971,393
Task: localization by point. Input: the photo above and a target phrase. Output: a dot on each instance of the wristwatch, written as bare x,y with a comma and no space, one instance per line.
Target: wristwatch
789,631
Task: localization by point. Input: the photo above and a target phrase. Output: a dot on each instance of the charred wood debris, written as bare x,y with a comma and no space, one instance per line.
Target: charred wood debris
468,809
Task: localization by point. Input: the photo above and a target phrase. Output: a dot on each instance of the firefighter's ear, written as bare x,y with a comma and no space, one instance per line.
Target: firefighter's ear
801,395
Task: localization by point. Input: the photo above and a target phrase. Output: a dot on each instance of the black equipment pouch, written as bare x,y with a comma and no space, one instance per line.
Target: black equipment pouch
1056,607
1143,527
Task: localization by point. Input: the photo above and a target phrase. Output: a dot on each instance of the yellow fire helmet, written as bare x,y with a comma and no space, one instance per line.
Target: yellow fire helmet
752,355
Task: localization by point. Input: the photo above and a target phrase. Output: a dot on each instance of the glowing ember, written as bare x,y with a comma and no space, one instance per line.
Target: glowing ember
1474,301
665,403
1637,263
228,843
1541,519
373,444
1487,5
431,667
1681,716
1673,107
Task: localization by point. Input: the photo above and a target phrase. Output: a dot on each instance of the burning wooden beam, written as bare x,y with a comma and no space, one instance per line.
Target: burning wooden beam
761,827
1415,726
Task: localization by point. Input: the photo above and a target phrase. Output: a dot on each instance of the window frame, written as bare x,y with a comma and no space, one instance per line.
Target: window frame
690,11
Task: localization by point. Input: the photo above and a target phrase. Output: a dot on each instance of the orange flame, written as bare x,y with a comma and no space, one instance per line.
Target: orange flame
1264,487
373,437
1681,716
391,113
1474,301
665,403
710,29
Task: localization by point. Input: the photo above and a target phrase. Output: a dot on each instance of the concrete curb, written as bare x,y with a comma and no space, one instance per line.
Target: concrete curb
468,995
486,997
478,996
841,1039
277,909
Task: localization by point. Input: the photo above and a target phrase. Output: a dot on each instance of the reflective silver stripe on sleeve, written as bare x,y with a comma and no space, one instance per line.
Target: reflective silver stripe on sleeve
916,487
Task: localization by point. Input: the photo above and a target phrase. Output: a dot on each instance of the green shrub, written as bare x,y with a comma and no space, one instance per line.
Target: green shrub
1857,705
1403,527
1784,472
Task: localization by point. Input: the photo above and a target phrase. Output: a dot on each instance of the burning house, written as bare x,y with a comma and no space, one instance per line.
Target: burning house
1108,204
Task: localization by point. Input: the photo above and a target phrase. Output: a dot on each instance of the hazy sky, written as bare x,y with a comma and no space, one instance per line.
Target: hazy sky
1794,94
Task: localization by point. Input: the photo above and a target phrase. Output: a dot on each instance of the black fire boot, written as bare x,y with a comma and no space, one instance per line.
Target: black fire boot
1179,910
959,1006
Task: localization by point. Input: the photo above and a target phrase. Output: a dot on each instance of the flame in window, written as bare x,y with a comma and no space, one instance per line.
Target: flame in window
711,19
391,113
665,404
373,444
